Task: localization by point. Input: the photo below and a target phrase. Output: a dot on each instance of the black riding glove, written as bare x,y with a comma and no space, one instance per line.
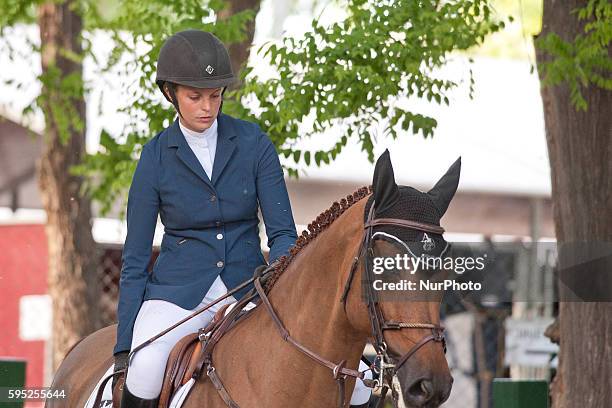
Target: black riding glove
121,363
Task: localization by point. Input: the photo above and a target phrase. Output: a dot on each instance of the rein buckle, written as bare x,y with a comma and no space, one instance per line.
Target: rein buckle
338,369
391,325
374,384
438,334
203,336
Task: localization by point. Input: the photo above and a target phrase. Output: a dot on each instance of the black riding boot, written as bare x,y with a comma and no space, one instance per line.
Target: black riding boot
129,400
366,405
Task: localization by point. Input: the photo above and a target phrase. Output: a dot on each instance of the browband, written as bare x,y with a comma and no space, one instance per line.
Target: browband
421,226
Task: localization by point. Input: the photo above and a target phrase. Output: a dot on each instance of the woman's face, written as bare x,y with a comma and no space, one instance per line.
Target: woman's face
199,106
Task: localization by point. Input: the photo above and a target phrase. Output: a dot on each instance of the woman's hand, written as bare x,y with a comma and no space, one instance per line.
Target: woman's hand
121,363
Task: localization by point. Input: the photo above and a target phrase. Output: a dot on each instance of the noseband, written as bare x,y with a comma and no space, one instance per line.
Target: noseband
387,368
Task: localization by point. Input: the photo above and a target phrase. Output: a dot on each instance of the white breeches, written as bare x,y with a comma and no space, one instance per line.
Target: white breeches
146,370
147,367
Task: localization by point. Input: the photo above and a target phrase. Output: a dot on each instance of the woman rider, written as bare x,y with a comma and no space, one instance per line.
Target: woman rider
206,175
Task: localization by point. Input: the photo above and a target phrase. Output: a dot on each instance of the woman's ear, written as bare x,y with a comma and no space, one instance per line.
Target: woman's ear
170,91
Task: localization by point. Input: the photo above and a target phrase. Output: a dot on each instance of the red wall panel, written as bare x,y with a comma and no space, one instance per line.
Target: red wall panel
23,271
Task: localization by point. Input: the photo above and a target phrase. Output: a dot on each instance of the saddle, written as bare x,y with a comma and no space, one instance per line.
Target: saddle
193,352
180,366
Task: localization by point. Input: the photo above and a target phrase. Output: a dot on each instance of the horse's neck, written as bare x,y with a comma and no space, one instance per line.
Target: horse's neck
307,295
306,298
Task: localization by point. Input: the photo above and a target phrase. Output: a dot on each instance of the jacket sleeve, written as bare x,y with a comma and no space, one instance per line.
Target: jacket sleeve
142,210
274,200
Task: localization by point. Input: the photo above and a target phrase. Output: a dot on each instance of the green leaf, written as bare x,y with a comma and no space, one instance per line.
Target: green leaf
342,76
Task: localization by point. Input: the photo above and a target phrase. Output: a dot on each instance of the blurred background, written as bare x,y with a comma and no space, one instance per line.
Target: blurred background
494,120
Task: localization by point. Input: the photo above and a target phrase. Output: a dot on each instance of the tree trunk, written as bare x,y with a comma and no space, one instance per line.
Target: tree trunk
580,153
239,52
72,275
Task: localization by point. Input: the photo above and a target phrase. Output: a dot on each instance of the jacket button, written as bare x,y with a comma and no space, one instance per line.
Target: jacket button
220,264
213,199
218,223
219,236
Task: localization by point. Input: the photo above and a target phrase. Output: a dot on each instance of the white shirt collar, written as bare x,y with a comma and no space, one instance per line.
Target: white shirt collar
200,136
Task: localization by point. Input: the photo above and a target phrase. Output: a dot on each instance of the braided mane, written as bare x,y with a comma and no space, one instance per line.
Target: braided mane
323,220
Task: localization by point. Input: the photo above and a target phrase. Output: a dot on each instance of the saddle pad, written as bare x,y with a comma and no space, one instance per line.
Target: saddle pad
107,399
107,396
180,395
177,399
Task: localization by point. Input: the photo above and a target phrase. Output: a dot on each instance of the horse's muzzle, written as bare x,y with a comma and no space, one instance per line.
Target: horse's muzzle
426,392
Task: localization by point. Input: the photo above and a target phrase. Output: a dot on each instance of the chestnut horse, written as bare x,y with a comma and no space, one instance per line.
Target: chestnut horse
259,369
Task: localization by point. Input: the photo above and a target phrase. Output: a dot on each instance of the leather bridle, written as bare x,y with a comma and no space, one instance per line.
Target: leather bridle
387,368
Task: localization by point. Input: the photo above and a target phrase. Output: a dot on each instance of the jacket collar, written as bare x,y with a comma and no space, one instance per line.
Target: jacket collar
225,148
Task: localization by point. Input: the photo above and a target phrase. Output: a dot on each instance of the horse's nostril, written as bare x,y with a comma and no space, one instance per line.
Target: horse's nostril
427,387
421,391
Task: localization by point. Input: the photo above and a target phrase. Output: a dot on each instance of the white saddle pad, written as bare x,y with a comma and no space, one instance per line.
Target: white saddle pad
361,394
178,398
107,398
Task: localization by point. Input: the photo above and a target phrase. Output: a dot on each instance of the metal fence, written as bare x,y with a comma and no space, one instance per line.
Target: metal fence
109,270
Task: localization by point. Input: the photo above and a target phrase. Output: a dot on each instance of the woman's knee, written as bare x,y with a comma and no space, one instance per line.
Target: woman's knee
146,370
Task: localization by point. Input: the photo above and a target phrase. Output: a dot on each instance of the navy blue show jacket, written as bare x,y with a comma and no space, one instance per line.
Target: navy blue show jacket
210,226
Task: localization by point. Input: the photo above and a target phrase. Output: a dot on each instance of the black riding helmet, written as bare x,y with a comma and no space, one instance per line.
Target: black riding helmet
193,58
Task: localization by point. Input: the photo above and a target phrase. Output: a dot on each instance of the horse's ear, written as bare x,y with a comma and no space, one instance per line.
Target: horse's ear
385,190
444,190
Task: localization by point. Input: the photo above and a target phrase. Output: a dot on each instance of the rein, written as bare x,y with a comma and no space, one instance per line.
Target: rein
123,372
387,368
378,323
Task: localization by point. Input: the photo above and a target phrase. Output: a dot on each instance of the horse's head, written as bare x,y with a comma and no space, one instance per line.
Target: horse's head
405,222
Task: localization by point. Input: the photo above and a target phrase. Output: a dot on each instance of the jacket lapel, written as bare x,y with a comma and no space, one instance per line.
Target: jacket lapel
184,152
225,146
